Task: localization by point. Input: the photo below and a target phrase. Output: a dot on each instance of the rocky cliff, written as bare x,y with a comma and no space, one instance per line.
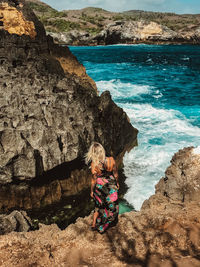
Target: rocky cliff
50,113
133,32
166,232
130,32
93,26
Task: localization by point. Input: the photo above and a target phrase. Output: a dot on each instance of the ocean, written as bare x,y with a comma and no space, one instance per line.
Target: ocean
159,88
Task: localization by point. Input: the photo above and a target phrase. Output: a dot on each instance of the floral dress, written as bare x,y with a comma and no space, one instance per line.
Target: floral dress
106,196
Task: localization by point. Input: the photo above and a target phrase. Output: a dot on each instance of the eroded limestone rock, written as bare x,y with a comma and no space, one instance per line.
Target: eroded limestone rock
182,177
166,232
50,113
17,221
14,22
130,32
147,238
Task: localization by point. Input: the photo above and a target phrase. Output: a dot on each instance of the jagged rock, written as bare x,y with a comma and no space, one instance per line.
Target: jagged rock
181,183
164,233
140,26
130,32
192,35
197,32
182,177
73,37
17,221
169,237
50,113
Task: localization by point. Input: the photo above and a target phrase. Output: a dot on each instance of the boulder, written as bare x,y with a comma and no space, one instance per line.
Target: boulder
17,221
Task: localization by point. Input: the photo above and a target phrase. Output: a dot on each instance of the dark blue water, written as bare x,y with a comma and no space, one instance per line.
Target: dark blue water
159,88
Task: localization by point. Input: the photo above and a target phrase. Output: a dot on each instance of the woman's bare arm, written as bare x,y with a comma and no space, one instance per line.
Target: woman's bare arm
115,173
93,182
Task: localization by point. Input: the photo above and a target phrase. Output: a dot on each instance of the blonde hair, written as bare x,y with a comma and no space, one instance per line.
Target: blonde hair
96,154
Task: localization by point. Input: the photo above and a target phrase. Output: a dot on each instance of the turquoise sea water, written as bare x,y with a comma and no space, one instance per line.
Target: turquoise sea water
159,88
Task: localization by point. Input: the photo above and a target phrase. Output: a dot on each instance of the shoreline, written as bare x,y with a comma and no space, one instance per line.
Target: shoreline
129,44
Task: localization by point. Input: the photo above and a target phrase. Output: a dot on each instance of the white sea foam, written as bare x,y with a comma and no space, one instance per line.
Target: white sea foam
196,150
127,45
120,89
110,86
185,58
157,94
162,132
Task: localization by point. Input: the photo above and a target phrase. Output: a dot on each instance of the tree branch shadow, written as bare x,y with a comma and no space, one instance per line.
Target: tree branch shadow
138,250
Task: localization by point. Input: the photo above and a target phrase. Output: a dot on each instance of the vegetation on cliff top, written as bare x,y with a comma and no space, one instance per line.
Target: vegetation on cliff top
93,20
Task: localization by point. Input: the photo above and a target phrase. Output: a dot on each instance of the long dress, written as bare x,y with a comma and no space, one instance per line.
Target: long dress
106,196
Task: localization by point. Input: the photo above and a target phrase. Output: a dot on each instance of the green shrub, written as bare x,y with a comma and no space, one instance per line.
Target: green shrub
63,25
100,18
44,20
93,31
41,8
90,19
58,14
118,17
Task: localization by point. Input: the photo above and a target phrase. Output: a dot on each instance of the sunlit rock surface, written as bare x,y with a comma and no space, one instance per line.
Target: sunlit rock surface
14,22
182,177
165,232
130,32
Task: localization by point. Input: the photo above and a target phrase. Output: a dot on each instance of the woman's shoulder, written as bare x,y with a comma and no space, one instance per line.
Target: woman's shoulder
110,162
110,158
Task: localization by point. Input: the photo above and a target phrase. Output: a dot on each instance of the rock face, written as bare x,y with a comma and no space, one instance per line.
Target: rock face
74,37
92,26
165,232
182,177
17,221
50,113
129,32
10,18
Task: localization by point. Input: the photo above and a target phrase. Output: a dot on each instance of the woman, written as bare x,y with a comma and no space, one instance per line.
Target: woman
104,187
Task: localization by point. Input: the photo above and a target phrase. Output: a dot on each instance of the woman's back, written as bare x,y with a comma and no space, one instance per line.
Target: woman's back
107,165
104,187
